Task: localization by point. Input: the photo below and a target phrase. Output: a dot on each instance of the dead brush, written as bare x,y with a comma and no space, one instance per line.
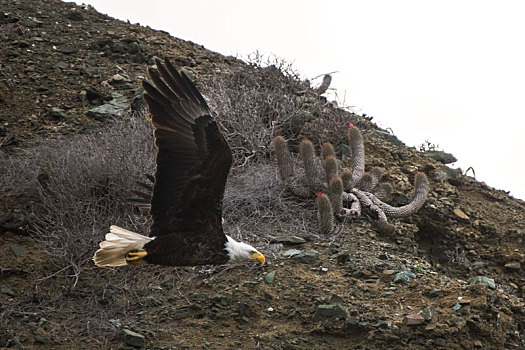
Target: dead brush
254,103
81,186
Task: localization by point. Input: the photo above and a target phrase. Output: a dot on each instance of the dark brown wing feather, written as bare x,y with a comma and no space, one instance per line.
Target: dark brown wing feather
193,158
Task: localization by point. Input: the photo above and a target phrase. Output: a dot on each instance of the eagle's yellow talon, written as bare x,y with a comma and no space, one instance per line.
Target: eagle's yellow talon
134,256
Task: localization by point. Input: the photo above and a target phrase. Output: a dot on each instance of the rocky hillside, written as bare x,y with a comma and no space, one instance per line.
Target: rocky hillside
73,141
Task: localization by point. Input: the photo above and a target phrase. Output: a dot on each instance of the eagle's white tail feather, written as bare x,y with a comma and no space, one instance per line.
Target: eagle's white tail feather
118,243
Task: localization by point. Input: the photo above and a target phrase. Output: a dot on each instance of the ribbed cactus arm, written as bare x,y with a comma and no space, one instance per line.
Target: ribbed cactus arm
420,195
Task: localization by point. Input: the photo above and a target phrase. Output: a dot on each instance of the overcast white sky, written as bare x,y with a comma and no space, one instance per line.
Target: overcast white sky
451,72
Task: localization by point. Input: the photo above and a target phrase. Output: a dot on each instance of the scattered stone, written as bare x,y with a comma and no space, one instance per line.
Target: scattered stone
119,81
332,310
306,257
413,319
23,44
57,113
68,49
31,23
75,16
513,266
18,250
440,156
291,252
269,277
479,264
404,276
288,240
429,314
244,310
7,290
116,107
460,214
386,324
478,344
62,65
445,173
93,96
436,292
132,338
489,282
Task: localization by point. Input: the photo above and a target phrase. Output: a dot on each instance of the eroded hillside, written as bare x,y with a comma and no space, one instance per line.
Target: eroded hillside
73,142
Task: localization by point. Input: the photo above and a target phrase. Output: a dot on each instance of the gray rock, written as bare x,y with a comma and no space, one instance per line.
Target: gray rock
489,282
75,16
244,310
132,338
306,257
332,310
404,276
109,111
291,252
436,292
68,49
31,23
429,314
17,250
269,277
288,240
57,113
440,156
444,173
7,290
413,319
513,266
62,65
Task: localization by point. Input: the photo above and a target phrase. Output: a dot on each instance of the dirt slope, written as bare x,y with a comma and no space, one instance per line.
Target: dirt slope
58,61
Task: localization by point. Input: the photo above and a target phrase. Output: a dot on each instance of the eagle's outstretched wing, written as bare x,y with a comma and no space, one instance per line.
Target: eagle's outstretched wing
193,158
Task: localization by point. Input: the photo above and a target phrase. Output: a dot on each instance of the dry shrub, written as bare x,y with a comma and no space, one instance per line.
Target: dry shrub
255,102
257,206
80,186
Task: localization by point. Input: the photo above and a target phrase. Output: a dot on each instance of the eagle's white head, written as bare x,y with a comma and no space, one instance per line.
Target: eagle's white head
241,251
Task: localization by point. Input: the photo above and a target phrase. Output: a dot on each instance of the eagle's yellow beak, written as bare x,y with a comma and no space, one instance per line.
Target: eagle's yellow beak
259,257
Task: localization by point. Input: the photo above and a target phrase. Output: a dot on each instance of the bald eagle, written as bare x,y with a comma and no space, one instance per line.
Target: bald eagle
193,162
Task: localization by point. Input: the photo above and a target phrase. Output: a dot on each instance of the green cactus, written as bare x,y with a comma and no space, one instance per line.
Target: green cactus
284,159
324,213
330,167
327,150
353,191
357,160
335,193
346,177
307,153
421,189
